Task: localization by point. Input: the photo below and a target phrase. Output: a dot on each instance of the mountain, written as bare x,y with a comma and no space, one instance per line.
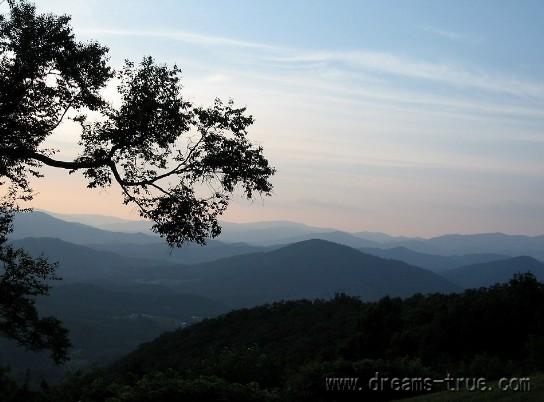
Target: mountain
256,233
188,254
105,222
267,233
384,238
80,263
309,269
490,273
435,263
496,243
285,232
133,245
273,233
77,263
40,224
344,238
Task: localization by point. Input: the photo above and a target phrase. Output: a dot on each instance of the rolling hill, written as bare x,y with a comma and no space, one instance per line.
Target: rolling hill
188,254
133,245
496,243
490,273
40,224
79,263
435,263
105,222
275,233
309,269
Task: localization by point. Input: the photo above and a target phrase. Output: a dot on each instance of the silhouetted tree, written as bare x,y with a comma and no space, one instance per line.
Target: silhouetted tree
177,162
22,280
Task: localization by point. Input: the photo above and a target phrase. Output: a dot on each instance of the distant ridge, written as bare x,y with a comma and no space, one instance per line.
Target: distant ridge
40,224
80,263
276,233
435,263
491,273
499,243
308,269
188,254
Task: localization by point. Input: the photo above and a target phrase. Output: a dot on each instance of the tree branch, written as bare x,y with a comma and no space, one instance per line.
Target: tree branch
72,165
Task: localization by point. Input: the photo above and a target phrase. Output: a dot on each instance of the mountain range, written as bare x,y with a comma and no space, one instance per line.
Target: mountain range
490,273
41,224
275,233
93,252
433,262
122,288
309,269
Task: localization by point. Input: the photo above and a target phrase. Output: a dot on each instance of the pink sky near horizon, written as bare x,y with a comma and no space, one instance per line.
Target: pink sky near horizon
66,194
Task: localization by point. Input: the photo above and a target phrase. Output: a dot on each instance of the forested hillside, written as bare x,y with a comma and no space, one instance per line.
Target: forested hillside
284,351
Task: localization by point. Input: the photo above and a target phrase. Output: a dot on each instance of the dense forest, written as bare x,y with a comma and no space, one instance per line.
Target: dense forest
285,351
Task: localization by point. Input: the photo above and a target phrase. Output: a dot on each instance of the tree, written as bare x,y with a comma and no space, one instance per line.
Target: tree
23,279
177,162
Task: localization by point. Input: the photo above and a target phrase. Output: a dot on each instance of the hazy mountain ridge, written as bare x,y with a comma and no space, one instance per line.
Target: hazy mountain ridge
500,243
40,224
490,273
274,233
81,263
384,238
309,269
435,263
188,254
122,252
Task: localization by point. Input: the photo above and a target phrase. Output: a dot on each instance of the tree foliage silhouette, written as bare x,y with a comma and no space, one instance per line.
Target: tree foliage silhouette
22,279
178,163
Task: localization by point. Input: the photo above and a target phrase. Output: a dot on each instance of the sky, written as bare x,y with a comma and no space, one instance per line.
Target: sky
406,117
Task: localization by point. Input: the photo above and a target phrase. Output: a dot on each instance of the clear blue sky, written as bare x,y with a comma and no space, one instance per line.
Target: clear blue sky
410,117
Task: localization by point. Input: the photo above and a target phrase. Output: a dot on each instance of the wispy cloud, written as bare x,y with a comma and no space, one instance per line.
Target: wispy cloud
367,123
444,33
362,79
453,36
359,61
182,36
385,63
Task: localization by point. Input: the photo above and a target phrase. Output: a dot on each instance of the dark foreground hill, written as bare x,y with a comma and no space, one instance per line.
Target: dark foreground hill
285,351
495,394
105,324
486,274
